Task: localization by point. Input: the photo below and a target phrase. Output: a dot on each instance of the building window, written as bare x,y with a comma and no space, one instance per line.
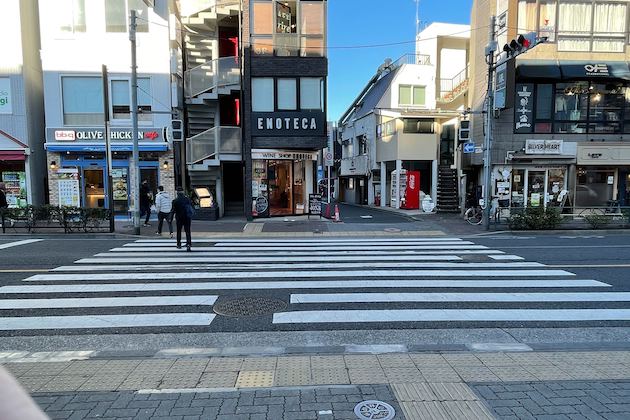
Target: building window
574,26
582,107
288,28
117,15
387,128
262,94
287,94
418,125
72,16
609,27
411,95
121,99
311,92
82,100
363,145
526,15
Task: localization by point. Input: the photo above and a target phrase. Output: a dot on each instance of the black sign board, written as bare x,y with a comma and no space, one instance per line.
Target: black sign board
523,108
289,123
315,204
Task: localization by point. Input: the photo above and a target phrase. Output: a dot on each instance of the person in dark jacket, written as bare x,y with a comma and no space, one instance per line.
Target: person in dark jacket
3,197
145,201
182,207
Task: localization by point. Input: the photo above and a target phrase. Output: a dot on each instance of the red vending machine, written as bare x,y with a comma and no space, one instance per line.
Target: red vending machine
411,200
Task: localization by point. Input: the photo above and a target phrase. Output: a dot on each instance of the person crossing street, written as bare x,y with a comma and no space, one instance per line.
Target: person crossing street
163,206
183,210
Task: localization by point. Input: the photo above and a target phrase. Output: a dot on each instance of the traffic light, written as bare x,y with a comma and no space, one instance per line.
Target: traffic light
177,130
464,131
522,44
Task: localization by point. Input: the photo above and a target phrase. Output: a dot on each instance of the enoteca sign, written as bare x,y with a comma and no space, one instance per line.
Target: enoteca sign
288,124
6,104
97,134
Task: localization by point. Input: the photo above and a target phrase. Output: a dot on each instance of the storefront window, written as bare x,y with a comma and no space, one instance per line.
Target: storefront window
279,174
570,107
518,188
299,187
594,187
555,186
607,103
94,188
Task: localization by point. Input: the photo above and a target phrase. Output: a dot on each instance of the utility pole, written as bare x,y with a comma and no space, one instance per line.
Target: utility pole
487,141
108,150
135,172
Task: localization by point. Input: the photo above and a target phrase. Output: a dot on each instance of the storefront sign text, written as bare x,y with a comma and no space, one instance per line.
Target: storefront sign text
287,124
523,108
283,155
6,106
596,69
543,147
98,134
304,123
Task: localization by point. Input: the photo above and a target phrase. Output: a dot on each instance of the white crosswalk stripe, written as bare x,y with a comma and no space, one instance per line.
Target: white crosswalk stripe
323,280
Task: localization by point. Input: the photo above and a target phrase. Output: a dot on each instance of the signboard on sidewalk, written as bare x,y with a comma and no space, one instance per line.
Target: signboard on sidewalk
68,184
315,204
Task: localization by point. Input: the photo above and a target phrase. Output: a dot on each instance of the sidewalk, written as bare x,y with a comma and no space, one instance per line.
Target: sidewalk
447,385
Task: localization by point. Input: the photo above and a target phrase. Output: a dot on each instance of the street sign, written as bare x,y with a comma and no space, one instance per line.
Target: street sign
328,158
469,147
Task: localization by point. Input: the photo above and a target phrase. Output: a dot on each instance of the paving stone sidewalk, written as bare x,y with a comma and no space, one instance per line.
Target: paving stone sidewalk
447,385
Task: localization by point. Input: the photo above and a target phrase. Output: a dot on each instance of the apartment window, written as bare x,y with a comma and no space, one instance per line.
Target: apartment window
526,15
262,23
609,27
311,92
363,145
121,99
262,94
287,94
574,26
71,16
117,15
411,95
418,125
82,99
387,128
312,21
547,20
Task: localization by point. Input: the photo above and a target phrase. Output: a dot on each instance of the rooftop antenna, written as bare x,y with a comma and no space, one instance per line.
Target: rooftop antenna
417,17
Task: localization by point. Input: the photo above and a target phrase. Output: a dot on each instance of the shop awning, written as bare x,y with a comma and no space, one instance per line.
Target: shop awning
12,155
52,147
572,70
538,69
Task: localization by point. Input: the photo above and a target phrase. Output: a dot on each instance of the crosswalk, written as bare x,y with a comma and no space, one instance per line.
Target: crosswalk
348,282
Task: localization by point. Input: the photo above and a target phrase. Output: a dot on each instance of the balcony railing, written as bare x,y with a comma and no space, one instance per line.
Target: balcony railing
224,71
192,7
420,59
451,89
213,142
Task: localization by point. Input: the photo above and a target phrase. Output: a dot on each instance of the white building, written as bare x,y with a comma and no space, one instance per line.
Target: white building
77,38
406,119
22,157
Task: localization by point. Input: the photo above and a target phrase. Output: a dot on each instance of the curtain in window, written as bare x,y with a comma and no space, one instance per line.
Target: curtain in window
82,100
418,95
115,16
526,15
404,95
120,100
610,18
574,19
547,20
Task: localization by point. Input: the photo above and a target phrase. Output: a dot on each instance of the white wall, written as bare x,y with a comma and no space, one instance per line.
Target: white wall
452,62
412,74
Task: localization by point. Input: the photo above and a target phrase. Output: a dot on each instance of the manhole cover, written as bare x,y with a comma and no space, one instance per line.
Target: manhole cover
392,230
248,306
373,410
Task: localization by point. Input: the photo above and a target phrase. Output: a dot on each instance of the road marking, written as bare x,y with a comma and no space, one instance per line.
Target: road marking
299,274
303,266
459,297
221,253
108,302
505,257
104,321
432,315
321,284
305,240
18,243
264,247
199,258
338,248
591,265
25,270
337,265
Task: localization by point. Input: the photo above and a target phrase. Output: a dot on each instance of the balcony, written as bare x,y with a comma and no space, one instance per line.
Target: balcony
418,59
356,165
451,89
211,75
211,143
193,7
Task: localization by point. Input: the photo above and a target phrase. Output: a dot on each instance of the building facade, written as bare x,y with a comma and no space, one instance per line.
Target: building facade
406,119
561,138
22,155
284,104
78,38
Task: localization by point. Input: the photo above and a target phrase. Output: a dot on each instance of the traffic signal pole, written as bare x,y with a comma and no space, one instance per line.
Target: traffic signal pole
135,173
487,140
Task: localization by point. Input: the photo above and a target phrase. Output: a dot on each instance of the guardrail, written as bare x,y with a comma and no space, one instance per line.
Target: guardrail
224,71
450,89
212,142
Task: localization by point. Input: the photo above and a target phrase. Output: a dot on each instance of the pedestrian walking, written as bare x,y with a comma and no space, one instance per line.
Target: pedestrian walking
145,201
183,210
3,197
163,206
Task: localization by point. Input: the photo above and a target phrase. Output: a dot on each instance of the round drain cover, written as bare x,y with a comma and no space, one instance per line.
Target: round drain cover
374,410
248,306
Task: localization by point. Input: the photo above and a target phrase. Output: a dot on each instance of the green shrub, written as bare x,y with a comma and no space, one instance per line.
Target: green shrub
597,221
534,218
70,218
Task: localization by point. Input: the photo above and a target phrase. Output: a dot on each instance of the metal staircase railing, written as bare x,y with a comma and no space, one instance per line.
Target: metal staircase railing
192,7
224,71
450,89
213,142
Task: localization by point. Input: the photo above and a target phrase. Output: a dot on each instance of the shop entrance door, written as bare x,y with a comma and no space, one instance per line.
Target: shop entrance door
280,178
94,188
535,188
150,174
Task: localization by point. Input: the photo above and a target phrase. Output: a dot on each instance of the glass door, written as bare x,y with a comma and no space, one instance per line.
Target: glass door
94,188
280,179
535,188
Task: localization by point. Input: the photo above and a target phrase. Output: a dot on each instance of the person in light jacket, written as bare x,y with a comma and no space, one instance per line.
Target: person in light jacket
163,206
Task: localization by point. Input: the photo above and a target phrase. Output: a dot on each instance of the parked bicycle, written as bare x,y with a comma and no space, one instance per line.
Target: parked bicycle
474,214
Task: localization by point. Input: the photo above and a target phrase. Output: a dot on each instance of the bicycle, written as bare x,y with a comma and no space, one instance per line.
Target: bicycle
474,214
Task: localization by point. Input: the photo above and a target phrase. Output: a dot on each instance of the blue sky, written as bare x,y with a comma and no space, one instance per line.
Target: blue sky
370,22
